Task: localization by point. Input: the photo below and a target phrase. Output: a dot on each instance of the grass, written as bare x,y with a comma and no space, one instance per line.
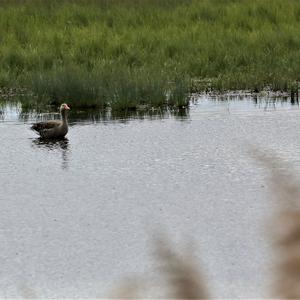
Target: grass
126,53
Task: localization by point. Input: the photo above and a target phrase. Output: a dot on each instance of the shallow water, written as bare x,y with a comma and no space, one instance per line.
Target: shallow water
79,215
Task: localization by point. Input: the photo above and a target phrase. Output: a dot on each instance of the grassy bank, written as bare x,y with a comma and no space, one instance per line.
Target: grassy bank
126,53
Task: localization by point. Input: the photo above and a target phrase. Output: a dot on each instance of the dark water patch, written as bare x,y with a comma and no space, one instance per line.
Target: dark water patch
14,110
59,145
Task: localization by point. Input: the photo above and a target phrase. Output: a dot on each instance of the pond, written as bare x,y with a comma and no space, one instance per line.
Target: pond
79,216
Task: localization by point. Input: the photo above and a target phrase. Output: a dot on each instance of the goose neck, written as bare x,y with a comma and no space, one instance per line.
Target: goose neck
64,116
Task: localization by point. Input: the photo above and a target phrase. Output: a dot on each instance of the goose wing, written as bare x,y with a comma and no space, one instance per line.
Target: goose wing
45,125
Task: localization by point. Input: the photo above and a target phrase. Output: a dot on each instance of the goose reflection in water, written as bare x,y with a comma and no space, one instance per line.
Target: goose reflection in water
54,145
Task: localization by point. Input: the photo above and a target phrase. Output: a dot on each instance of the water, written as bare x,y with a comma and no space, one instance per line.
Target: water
80,215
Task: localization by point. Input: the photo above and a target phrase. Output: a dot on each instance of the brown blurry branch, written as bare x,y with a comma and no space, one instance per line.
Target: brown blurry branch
181,274
285,184
184,279
128,289
285,188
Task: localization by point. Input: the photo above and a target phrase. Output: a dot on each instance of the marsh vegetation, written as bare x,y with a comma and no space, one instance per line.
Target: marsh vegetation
128,53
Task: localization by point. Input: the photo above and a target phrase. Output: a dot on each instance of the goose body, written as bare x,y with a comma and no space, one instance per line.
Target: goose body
53,129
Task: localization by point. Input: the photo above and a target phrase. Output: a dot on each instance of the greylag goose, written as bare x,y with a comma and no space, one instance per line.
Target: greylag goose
54,129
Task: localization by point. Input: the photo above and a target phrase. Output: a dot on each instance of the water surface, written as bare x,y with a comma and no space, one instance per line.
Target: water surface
80,214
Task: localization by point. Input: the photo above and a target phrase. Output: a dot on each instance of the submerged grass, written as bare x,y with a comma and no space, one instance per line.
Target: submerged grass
125,53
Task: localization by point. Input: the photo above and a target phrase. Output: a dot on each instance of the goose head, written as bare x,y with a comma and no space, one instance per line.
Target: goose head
63,111
64,107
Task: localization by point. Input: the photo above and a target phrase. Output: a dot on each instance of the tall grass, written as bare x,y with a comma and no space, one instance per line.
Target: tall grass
83,49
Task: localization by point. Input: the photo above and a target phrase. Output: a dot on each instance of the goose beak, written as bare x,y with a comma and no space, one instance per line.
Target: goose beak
67,107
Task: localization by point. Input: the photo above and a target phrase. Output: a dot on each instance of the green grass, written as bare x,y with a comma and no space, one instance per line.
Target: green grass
126,53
